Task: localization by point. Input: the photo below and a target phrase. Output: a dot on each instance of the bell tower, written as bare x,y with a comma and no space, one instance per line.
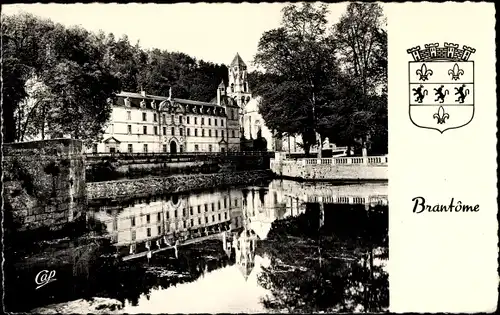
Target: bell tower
238,88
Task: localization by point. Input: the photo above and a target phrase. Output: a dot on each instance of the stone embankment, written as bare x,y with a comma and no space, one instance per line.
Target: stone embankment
162,185
44,183
332,169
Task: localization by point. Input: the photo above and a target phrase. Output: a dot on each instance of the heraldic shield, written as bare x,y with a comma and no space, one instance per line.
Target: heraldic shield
441,86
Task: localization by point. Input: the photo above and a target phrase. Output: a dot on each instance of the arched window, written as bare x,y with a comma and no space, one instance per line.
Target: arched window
232,87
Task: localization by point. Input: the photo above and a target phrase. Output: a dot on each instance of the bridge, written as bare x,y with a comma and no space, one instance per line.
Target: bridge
164,157
163,246
128,155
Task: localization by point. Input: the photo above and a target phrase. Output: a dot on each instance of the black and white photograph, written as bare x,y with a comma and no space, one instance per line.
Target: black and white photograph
195,158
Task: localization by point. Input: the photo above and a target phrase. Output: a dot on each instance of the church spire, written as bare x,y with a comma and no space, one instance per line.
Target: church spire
238,62
238,82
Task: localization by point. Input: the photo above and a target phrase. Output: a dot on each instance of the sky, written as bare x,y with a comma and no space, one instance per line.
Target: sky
212,32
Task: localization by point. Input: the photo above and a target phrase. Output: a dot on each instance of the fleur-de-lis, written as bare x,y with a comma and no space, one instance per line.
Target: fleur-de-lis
423,72
441,116
456,72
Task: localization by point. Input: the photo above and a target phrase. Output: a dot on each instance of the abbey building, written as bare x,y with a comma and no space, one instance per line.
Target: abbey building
253,126
251,122
142,123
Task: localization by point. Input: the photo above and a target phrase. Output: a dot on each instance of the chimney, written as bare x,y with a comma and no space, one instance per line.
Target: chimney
143,93
218,96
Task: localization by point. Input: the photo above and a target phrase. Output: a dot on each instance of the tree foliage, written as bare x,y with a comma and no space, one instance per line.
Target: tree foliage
299,57
57,79
326,80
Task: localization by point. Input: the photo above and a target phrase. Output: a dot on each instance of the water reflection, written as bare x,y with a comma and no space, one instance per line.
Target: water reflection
284,247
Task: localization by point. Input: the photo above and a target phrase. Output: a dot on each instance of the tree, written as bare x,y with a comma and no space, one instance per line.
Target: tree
124,60
189,78
282,107
300,54
22,56
12,93
31,112
75,82
362,44
57,80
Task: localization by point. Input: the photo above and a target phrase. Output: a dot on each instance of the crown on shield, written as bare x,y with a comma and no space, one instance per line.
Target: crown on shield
450,52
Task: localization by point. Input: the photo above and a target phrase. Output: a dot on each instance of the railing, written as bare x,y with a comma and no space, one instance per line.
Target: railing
358,200
363,160
301,155
177,155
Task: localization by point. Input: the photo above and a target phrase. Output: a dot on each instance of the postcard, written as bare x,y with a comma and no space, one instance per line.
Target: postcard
249,158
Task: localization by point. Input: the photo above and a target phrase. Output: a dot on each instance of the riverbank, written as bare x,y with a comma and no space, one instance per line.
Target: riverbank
81,306
148,186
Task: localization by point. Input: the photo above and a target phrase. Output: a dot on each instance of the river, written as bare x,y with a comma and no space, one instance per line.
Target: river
280,247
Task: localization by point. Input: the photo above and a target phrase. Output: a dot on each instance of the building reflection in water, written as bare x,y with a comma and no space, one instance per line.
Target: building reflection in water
246,219
159,223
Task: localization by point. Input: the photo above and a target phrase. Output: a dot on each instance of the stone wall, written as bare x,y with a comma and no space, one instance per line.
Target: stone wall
328,169
44,183
123,189
122,166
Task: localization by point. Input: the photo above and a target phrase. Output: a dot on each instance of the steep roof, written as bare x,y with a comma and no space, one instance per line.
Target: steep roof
221,85
237,61
163,98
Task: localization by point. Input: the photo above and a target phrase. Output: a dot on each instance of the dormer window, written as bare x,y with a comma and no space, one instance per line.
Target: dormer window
153,104
127,102
143,104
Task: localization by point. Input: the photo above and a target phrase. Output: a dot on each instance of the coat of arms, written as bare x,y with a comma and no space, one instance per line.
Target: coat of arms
441,86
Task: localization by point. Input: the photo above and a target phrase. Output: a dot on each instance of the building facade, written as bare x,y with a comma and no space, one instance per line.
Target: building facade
142,122
149,123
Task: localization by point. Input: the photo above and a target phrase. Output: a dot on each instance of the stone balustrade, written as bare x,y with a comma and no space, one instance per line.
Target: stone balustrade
358,160
337,168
